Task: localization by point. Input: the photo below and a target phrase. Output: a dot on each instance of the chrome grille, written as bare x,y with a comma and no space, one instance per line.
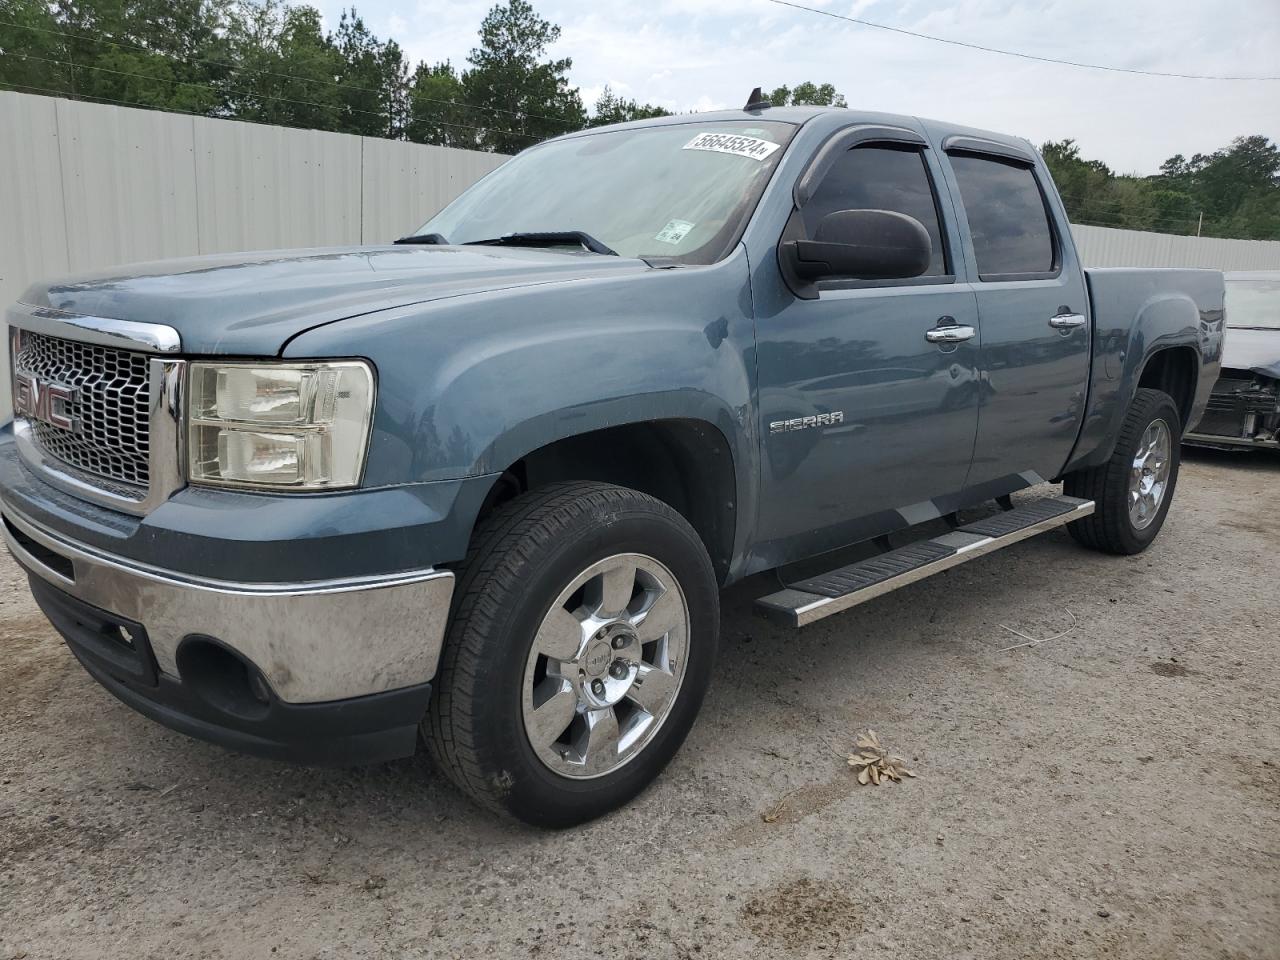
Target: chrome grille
110,405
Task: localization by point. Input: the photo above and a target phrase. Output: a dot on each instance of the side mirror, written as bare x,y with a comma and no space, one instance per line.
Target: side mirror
862,245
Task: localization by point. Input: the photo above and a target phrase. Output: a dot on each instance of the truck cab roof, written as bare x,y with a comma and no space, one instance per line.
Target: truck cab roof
829,118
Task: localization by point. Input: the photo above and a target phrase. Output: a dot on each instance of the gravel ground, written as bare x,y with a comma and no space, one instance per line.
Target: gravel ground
1114,792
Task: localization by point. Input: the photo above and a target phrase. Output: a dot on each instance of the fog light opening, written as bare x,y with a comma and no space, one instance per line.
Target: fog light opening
223,679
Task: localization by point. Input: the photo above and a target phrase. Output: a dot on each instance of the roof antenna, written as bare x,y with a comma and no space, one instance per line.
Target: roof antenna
757,101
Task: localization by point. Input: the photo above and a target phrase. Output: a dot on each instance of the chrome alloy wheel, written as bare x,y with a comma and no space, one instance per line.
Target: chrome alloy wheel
1149,475
606,666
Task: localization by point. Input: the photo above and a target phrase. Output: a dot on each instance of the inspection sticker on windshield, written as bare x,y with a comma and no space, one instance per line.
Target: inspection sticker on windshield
739,146
674,231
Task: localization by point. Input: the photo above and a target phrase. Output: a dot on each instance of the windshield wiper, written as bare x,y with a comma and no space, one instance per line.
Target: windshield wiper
425,238
548,238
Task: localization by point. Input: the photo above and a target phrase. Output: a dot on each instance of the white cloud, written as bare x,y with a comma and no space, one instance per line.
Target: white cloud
704,104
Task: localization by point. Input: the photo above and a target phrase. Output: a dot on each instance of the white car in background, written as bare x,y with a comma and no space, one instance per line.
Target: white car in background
1244,410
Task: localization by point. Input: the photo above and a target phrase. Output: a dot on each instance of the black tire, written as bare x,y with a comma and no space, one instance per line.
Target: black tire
520,559
1110,528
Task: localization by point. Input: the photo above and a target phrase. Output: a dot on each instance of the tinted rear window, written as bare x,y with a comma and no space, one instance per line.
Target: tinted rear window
1007,216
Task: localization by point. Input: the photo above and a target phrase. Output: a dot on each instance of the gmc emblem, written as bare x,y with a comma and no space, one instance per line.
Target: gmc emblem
47,402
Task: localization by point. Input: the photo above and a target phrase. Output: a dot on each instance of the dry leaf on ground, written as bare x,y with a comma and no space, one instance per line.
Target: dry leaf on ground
874,763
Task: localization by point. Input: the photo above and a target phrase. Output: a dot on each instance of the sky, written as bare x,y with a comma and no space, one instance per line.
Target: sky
696,55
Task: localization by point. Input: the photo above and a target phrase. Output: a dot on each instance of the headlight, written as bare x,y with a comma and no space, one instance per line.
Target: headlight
304,426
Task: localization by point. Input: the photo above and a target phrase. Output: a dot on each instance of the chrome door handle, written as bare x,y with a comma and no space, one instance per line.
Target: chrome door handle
1066,321
956,334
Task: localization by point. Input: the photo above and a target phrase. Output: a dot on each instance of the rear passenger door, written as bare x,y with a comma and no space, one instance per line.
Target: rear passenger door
1033,311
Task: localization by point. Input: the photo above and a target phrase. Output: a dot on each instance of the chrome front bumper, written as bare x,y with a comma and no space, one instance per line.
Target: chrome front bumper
313,642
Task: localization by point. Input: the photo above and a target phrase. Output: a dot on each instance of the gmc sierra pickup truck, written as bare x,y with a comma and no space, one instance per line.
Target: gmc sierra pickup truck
482,487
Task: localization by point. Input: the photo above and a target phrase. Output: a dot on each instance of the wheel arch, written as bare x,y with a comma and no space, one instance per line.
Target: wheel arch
1175,370
686,463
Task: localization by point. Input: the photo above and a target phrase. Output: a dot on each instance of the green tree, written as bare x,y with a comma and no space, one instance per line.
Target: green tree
611,108
373,79
1085,185
438,111
1171,206
519,96
28,51
807,94
158,53
286,67
1235,189
1232,192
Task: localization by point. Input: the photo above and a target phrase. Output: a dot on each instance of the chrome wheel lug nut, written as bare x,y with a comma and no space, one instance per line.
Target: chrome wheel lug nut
619,642
619,669
597,687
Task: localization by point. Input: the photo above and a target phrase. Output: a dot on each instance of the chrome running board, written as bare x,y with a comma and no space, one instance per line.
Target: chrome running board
816,597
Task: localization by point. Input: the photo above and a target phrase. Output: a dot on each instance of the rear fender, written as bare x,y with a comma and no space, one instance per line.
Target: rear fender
1162,319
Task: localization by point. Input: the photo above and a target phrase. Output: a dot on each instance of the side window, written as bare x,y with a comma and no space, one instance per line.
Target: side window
880,178
1007,216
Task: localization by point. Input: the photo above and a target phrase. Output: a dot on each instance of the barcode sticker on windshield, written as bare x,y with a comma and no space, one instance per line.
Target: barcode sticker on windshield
674,231
739,146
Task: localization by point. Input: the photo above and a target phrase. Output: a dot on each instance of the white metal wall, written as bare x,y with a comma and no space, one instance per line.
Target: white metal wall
1107,247
86,185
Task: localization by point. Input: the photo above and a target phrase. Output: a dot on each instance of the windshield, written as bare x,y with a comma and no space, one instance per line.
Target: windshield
681,192
1253,300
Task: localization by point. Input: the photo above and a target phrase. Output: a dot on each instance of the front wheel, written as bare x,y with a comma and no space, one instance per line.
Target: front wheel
581,645
1134,488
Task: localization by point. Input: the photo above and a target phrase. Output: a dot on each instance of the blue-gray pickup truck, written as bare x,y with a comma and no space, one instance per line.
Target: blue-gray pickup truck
480,488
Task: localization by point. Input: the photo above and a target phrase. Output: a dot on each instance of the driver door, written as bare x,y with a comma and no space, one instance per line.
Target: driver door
868,392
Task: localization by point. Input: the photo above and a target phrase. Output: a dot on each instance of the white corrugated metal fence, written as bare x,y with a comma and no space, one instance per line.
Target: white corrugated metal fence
1108,247
86,185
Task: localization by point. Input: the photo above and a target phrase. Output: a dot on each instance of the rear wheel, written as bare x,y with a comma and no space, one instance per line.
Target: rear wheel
1134,488
581,645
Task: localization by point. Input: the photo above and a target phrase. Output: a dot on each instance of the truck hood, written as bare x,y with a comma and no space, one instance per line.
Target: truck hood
253,303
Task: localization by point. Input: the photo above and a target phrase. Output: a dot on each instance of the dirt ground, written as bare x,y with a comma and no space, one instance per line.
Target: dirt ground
1111,793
